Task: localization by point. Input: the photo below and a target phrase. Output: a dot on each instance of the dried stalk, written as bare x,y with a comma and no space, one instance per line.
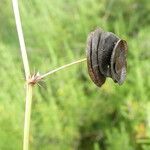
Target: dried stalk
21,39
27,75
28,108
62,67
30,79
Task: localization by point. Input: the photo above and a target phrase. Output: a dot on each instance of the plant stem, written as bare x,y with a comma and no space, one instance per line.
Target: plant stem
27,75
62,67
21,38
29,86
28,107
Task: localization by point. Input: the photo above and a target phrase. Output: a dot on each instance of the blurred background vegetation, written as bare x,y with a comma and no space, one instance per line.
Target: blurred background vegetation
71,113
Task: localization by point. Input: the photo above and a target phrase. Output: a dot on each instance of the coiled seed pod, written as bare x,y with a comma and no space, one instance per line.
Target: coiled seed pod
106,57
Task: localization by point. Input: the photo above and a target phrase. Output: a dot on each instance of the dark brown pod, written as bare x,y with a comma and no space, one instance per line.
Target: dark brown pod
118,61
106,57
106,46
92,60
89,52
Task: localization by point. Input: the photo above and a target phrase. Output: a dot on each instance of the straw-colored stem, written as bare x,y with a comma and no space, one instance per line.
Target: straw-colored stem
27,75
29,86
21,39
28,107
62,67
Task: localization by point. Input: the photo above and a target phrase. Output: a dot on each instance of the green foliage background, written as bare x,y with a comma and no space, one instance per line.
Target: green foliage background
71,113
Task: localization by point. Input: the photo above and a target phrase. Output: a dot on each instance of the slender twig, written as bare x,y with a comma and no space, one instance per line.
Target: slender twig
62,67
28,107
21,39
27,75
31,80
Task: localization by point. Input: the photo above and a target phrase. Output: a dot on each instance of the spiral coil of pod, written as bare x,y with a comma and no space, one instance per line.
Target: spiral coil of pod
106,57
